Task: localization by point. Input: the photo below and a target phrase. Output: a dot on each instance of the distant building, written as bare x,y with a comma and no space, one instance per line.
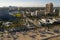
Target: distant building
41,13
59,11
56,12
49,8
36,12
32,14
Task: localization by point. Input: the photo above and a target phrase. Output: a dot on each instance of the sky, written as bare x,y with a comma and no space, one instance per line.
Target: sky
29,3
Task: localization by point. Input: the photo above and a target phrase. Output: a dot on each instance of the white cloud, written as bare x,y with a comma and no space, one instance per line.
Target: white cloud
23,3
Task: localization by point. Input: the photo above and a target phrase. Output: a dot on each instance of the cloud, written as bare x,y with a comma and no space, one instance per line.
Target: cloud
27,3
23,4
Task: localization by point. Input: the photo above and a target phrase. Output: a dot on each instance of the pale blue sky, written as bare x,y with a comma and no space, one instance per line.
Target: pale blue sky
28,3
